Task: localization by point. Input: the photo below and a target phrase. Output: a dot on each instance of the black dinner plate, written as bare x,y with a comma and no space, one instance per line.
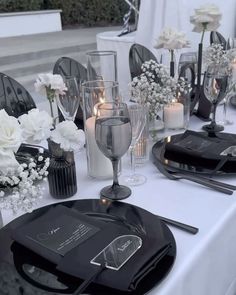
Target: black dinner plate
17,262
158,154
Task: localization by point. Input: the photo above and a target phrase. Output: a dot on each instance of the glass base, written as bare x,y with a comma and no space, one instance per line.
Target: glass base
213,128
115,193
135,179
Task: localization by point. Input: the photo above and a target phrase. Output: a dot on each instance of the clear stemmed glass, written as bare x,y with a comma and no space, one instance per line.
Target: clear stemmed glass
113,137
68,103
137,113
215,87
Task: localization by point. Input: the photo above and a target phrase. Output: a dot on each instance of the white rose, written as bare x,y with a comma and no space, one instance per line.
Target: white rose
7,161
172,39
10,132
51,81
68,136
36,125
208,15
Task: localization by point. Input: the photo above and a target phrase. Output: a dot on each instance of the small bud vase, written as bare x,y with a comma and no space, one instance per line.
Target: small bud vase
61,172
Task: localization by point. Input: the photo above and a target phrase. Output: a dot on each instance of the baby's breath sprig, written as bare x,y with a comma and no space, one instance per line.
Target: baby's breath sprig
19,188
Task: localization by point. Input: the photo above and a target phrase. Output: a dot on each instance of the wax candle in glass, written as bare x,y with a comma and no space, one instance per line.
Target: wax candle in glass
176,113
94,93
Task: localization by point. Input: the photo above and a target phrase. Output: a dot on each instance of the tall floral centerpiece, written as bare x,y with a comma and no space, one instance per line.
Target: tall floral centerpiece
206,18
53,85
171,39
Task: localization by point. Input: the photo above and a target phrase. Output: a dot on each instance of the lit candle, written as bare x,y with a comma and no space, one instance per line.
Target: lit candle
99,166
174,115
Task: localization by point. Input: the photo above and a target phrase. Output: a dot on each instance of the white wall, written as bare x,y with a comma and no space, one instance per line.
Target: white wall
31,22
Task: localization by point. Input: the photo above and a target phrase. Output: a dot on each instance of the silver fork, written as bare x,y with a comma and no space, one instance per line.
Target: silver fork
214,184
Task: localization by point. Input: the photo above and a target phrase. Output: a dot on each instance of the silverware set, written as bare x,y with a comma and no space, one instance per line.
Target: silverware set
173,174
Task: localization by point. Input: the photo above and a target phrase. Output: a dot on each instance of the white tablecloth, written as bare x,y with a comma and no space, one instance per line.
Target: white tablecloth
206,262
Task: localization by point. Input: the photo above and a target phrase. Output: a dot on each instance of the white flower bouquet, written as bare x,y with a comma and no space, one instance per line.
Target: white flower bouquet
171,39
53,85
155,87
68,136
18,174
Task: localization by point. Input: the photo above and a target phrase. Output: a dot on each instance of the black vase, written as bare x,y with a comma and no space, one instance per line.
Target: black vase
61,172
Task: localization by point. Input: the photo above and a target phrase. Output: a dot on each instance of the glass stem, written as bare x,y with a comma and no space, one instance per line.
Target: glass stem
115,164
213,122
132,160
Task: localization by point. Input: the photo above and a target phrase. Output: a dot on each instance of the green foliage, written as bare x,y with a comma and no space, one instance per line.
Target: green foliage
81,12
20,5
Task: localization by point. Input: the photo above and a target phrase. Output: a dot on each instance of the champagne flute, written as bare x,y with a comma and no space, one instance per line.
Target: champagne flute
137,113
68,103
215,87
113,137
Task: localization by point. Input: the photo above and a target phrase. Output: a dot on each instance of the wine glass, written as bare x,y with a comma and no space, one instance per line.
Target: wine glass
137,113
68,103
215,87
113,137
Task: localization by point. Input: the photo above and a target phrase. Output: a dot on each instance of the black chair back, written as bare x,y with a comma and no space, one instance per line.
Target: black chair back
216,37
14,98
66,66
138,54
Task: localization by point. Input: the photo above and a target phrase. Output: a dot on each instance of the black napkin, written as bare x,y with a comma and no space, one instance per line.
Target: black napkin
54,236
200,150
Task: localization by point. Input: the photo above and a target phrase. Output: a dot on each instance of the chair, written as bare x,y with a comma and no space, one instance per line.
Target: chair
66,66
138,54
14,98
216,37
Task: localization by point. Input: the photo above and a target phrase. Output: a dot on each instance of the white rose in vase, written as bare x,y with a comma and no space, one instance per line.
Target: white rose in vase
10,132
68,136
36,126
206,18
172,39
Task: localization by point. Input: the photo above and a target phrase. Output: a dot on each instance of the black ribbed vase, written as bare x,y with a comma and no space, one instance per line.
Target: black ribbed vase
61,172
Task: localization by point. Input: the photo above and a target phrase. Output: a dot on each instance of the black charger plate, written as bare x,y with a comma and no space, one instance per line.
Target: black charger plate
158,154
38,272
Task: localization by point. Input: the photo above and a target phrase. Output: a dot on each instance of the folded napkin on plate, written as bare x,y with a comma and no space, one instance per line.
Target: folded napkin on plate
197,149
71,240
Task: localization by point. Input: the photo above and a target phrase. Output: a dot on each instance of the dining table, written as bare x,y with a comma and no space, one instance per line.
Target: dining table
205,263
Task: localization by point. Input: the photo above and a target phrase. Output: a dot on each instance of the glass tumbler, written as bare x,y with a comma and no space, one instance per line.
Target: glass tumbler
102,65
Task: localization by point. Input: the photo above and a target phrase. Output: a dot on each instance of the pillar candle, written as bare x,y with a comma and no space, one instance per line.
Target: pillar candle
174,115
99,166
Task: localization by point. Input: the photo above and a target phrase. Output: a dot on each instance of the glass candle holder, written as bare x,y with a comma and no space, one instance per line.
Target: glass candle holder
101,65
176,114
94,93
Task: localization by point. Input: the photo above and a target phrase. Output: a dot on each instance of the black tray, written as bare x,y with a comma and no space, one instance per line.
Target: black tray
38,272
158,154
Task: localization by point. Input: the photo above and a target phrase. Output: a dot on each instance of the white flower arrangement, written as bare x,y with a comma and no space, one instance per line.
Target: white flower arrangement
53,85
171,39
206,18
36,126
68,136
18,178
10,132
155,87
